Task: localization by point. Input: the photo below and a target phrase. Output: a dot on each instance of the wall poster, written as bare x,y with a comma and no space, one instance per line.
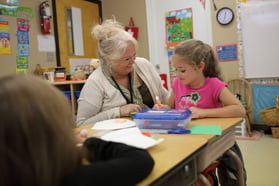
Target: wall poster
179,27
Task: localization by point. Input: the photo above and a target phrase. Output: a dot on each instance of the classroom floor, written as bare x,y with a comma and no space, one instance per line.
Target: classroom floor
261,159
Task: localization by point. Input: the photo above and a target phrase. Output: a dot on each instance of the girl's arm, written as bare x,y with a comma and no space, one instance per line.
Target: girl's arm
232,107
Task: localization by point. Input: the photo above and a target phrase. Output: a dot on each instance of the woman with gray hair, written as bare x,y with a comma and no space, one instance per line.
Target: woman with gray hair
123,84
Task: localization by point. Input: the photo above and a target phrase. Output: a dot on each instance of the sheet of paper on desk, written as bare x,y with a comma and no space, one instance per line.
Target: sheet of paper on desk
113,124
131,136
206,129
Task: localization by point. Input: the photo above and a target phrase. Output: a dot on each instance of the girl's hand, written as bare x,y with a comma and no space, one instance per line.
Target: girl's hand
196,112
81,136
161,106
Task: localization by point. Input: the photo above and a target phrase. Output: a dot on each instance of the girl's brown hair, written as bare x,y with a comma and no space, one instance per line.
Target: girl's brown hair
37,144
195,51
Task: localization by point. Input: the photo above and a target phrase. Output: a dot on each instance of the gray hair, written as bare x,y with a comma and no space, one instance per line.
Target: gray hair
112,40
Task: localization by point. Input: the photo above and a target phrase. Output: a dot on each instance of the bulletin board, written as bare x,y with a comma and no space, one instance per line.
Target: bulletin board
260,38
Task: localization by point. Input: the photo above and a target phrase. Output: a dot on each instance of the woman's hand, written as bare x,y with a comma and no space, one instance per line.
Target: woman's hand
126,110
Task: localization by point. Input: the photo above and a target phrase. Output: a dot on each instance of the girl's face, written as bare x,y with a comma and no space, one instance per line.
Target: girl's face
124,65
188,74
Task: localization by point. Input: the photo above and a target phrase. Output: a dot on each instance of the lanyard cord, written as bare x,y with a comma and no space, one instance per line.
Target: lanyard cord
131,89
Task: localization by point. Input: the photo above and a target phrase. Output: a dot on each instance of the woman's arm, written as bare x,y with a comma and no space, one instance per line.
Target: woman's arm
151,78
112,164
86,114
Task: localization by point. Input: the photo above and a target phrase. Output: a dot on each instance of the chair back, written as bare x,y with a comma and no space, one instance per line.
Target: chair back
243,88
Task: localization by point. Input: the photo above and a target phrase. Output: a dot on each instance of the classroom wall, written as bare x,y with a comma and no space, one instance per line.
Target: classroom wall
221,35
156,10
226,35
8,62
122,10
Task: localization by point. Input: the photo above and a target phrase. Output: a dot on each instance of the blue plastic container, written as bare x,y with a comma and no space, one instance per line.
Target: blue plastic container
77,93
67,93
167,119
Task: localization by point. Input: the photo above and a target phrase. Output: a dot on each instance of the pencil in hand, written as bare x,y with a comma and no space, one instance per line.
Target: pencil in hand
158,102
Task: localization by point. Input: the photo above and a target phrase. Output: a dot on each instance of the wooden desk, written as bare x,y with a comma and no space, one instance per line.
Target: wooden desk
180,159
175,158
218,145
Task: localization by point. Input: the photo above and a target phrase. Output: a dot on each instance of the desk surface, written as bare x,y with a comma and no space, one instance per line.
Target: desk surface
177,147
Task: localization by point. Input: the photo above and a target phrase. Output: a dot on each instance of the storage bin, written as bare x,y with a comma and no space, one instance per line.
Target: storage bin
166,119
77,93
275,132
270,115
67,93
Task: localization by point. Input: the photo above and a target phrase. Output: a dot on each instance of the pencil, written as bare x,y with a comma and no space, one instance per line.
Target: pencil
158,101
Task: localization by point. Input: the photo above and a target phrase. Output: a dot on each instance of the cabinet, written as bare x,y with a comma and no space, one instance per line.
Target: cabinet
72,89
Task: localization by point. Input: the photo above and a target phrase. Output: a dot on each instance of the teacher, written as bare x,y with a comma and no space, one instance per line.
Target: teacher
123,84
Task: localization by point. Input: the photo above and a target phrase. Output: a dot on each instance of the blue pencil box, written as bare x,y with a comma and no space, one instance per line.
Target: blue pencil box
166,119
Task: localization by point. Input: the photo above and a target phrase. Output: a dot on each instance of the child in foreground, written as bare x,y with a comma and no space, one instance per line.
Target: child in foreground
38,146
198,86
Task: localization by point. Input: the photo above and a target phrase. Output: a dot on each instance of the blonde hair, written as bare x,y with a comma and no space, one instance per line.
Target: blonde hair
112,40
195,52
37,143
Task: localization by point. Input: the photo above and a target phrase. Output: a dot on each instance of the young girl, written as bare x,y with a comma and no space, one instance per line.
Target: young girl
198,86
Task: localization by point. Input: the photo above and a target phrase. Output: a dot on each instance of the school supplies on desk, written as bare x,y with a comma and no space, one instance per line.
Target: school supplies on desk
131,136
161,131
113,124
165,119
206,129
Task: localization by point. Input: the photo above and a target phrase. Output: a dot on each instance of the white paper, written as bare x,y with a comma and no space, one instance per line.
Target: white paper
46,43
131,136
113,124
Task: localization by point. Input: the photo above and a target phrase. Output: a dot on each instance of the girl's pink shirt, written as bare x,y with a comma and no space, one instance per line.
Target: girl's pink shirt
205,96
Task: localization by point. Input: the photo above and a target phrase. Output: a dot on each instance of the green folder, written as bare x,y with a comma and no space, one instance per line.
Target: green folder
206,129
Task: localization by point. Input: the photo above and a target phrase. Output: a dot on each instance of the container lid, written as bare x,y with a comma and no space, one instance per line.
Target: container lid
163,114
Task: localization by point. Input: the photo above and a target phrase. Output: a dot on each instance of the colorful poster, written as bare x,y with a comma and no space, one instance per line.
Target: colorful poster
4,24
22,25
21,71
22,37
23,50
16,11
5,46
179,26
22,62
14,2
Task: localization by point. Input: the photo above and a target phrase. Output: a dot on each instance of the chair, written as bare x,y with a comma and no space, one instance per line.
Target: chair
243,90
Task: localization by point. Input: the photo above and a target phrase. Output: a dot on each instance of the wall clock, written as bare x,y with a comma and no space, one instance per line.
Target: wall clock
225,16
